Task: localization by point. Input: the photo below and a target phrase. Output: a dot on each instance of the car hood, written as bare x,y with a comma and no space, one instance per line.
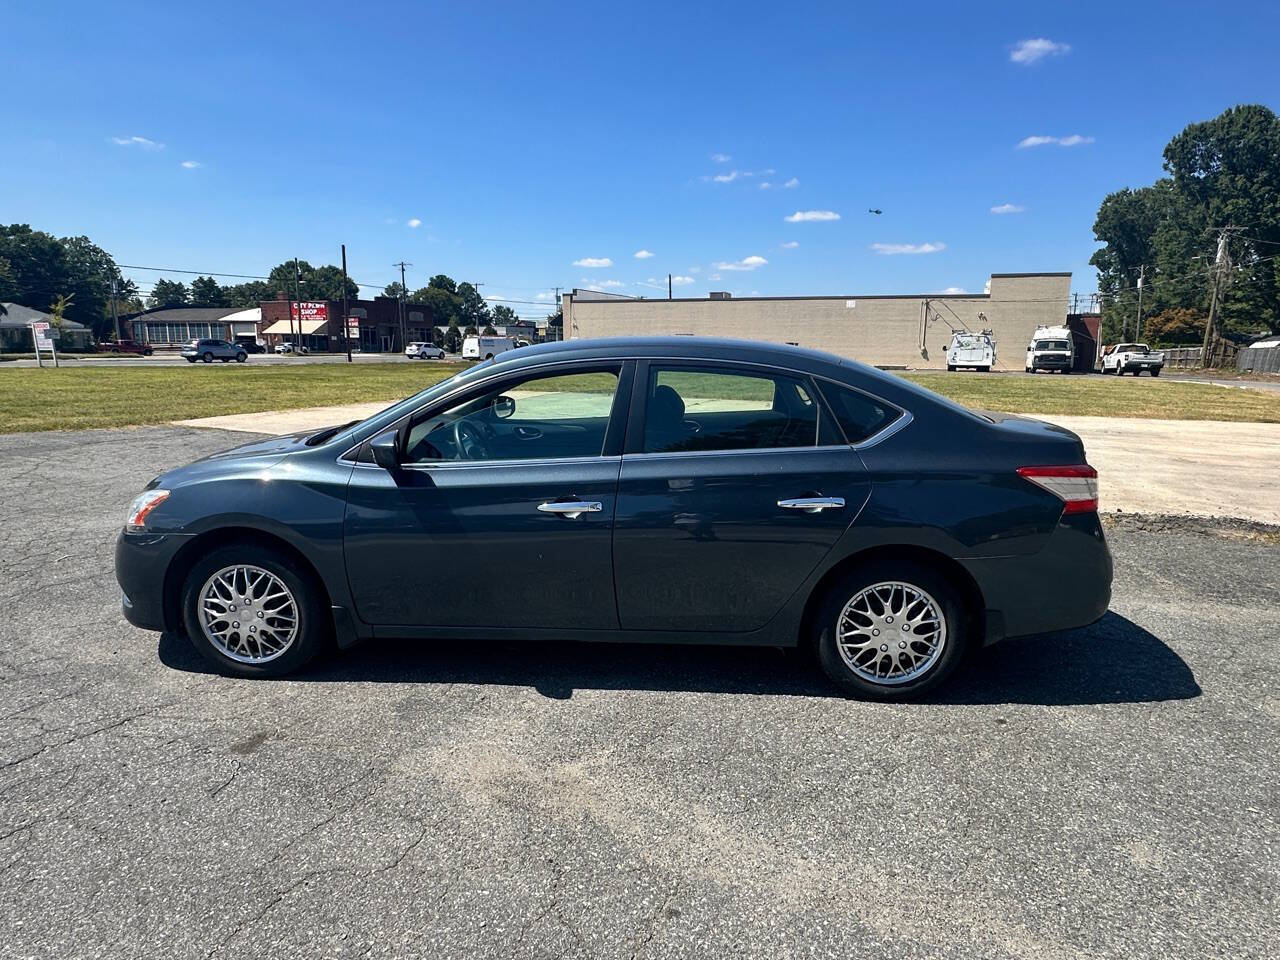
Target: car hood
256,455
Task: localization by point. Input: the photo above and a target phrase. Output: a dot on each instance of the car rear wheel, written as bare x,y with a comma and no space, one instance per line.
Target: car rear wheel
251,611
1155,371
891,631
207,358
241,357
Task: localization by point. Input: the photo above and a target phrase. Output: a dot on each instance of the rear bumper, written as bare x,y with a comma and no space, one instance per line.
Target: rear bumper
1143,365
1065,585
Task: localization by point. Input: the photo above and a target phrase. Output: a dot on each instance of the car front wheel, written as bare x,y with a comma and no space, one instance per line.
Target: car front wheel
241,357
252,611
891,631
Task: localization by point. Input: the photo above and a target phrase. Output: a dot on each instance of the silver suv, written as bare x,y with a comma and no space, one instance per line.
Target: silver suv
209,350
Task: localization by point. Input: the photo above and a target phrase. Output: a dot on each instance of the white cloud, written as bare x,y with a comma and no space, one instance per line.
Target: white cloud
720,158
1008,208
714,276
642,254
765,184
729,177
790,244
810,216
593,262
955,290
544,295
746,263
142,142
190,164
414,222
1074,140
890,249
1029,51
791,184
682,281
695,269
602,284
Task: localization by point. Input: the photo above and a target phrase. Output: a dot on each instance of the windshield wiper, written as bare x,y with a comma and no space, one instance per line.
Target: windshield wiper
328,433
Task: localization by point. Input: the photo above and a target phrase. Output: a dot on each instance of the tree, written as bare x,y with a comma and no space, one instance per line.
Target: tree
472,307
444,305
168,293
316,283
1175,326
39,267
248,294
205,292
453,338
442,282
394,290
489,331
503,315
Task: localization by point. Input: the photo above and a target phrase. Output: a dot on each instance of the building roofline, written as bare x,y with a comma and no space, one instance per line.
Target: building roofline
1064,273
852,296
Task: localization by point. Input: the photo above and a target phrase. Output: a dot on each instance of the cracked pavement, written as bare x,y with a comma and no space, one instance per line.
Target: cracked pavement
1111,792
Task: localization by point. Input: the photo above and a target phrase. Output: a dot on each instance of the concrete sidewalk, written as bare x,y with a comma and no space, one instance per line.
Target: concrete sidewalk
1190,467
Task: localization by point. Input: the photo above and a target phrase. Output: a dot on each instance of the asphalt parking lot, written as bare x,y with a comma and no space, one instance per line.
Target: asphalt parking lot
1111,792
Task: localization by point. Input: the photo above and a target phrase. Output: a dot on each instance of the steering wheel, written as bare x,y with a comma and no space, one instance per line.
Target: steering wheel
468,441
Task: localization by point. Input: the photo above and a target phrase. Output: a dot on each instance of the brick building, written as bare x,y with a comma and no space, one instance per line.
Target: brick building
317,324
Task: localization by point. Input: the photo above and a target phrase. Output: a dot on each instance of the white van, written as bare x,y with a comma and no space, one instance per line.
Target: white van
975,350
1051,348
482,348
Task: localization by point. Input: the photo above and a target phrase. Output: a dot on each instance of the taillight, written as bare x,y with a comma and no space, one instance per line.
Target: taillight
1076,486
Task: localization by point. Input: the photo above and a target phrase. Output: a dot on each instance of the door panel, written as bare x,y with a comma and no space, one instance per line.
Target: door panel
700,543
466,545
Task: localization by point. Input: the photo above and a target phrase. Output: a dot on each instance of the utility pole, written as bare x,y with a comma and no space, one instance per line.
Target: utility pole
403,293
345,329
1137,326
668,286
115,317
297,297
1220,264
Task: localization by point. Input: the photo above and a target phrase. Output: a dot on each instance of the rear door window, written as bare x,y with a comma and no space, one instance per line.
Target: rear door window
690,409
861,416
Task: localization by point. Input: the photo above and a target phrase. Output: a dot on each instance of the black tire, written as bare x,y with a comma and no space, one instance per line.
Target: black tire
241,357
951,368
314,623
1155,371
190,359
488,356
147,352
208,357
946,597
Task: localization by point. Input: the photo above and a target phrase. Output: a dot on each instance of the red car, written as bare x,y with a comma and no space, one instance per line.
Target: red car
125,346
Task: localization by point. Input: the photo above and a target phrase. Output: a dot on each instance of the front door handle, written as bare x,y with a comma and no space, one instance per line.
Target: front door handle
812,504
571,509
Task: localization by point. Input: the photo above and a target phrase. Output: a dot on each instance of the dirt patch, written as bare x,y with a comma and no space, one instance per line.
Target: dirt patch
1224,528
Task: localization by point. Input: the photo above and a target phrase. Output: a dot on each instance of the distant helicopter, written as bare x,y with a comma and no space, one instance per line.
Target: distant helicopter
876,212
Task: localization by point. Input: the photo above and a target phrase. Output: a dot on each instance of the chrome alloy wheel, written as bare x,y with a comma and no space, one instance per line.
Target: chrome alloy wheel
248,614
891,633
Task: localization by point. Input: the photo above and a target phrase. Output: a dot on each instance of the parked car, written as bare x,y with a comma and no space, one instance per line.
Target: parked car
423,351
297,349
125,346
975,350
486,348
209,350
251,345
1122,358
658,489
1051,348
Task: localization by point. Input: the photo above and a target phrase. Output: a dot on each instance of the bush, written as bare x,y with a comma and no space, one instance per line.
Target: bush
1174,327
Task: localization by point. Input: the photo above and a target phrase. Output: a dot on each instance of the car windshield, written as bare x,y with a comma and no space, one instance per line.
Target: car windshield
1052,345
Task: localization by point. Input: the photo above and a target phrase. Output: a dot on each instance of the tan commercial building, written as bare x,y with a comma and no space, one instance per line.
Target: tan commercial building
891,331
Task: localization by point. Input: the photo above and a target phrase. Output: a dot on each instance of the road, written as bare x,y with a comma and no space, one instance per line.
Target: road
173,360
1110,792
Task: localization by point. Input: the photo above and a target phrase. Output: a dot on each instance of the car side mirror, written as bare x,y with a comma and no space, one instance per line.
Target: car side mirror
386,450
503,407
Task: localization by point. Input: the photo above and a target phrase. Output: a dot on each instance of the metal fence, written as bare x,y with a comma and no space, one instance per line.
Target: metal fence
1259,360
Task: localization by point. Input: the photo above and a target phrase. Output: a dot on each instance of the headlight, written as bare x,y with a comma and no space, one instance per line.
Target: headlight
141,509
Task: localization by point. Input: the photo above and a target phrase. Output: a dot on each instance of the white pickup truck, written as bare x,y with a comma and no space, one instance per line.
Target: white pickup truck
975,350
1123,358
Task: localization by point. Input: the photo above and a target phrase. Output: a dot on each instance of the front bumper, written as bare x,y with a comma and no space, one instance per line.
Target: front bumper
1051,363
142,562
1067,584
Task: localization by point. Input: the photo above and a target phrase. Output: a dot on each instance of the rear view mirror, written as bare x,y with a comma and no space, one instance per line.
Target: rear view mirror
386,450
503,407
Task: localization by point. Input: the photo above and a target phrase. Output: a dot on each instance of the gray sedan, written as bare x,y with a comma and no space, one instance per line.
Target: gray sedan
209,350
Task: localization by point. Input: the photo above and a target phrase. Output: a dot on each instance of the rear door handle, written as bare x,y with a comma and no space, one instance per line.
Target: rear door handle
571,509
812,504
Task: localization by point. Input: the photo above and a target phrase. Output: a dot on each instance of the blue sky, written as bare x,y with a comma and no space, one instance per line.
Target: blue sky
505,143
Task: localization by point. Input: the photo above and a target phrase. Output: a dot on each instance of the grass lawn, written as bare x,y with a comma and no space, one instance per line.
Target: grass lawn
77,398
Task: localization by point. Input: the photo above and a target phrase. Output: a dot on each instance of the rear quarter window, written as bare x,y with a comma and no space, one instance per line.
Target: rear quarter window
859,415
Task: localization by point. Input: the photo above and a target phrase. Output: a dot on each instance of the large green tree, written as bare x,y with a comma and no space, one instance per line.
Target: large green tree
169,293
472,308
1224,174
205,292
39,268
316,283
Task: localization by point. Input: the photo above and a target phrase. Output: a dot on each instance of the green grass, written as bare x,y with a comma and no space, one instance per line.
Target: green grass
76,398
1103,396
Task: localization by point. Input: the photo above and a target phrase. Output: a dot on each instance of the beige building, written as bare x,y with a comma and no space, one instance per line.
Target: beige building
892,331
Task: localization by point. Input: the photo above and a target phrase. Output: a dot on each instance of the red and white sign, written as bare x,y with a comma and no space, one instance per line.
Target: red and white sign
40,326
309,310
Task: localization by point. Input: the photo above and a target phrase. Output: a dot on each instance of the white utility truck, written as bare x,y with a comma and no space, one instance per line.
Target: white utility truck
1051,348
483,348
1132,358
976,350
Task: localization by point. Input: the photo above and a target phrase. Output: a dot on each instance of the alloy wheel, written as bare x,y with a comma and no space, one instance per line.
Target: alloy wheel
248,614
891,633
